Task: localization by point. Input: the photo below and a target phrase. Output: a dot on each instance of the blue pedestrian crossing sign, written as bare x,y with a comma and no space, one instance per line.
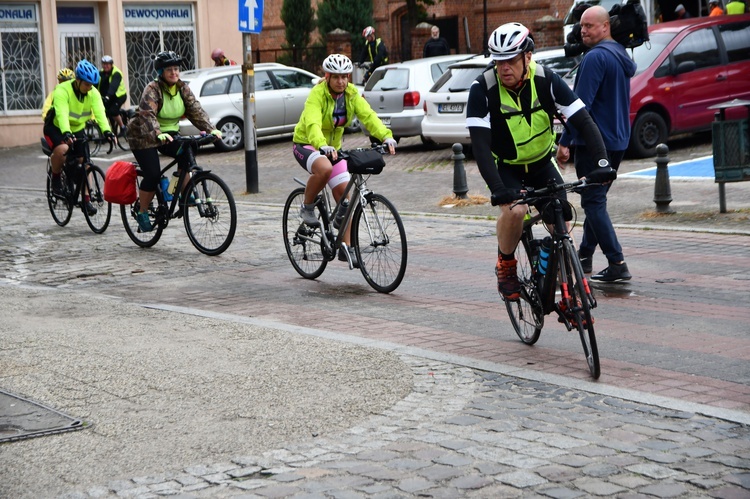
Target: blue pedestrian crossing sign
251,16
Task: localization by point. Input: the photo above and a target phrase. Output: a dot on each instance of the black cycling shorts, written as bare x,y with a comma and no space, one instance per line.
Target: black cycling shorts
54,138
114,105
537,176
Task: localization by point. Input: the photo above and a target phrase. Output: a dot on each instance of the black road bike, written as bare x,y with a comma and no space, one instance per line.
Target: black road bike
377,233
79,177
201,199
564,275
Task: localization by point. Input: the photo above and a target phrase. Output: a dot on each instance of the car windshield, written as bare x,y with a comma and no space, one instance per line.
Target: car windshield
646,53
458,79
389,79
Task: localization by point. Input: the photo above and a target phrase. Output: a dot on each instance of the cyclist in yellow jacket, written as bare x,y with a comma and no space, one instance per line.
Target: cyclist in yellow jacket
73,103
63,75
112,89
330,107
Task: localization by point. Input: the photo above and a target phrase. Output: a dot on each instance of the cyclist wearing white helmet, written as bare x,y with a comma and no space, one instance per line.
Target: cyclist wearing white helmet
374,52
509,115
331,106
112,87
74,102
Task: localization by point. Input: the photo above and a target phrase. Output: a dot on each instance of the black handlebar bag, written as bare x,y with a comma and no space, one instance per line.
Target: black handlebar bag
365,162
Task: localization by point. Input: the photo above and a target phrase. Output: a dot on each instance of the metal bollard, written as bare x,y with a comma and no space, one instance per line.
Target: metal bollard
460,188
662,190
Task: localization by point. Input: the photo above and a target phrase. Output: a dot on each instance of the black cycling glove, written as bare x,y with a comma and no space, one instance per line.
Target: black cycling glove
505,195
67,136
604,173
109,135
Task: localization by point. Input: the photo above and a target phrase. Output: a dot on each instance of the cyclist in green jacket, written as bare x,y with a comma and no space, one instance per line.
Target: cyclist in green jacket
331,107
112,88
73,103
63,75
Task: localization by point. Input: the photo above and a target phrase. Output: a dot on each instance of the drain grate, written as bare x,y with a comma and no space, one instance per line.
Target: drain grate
21,419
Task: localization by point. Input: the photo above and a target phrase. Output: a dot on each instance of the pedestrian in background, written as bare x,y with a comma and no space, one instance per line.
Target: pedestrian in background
603,84
220,59
436,45
714,8
681,13
735,8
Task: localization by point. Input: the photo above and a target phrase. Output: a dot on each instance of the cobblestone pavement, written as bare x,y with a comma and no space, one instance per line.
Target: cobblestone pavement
488,416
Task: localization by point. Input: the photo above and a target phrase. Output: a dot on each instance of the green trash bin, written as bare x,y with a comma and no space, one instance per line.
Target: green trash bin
731,144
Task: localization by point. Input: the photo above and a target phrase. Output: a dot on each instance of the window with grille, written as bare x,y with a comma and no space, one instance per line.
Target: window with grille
21,83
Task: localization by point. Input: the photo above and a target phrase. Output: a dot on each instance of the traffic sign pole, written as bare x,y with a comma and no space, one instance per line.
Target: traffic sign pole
248,99
250,21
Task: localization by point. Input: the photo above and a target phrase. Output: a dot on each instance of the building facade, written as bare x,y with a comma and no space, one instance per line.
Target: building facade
40,37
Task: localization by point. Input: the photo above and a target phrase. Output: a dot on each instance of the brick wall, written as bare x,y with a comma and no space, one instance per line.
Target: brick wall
543,17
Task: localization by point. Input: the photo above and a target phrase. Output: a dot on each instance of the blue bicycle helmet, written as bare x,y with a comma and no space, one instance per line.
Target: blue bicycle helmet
87,72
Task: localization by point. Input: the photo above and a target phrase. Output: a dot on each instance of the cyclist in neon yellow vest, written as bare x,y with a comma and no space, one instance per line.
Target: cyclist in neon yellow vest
373,52
736,7
112,87
509,115
74,102
63,75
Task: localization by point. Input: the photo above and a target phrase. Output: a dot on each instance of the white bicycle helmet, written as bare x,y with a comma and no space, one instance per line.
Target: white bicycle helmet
368,31
338,64
508,41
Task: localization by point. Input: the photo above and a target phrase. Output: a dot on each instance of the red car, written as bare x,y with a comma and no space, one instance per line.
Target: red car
688,66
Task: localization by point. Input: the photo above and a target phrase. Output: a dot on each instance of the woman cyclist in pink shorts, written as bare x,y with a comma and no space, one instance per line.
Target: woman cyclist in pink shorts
331,106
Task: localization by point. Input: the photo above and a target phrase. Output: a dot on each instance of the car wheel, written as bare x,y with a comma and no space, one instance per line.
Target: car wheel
354,127
649,130
232,134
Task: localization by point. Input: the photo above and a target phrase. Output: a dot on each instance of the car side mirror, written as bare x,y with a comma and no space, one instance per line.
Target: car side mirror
685,67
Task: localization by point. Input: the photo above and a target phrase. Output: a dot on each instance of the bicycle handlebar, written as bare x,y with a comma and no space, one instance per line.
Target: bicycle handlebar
200,140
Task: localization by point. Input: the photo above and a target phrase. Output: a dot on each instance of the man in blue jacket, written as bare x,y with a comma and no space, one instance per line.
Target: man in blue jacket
603,84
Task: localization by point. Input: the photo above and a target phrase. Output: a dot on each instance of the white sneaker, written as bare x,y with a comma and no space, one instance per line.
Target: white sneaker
308,216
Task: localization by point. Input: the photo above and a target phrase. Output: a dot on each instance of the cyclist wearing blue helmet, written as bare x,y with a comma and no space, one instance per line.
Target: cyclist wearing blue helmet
74,102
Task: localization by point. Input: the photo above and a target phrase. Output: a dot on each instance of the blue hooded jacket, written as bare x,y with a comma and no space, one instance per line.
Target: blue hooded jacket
603,84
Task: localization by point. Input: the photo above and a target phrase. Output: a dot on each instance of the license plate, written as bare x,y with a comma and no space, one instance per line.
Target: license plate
558,129
386,121
451,108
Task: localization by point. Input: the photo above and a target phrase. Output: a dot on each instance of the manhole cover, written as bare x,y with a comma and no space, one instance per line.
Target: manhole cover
21,419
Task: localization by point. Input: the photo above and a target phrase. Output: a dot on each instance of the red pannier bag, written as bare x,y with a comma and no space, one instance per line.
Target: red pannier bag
119,183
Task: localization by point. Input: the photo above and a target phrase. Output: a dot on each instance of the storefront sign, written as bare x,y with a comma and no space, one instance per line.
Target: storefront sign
167,14
17,13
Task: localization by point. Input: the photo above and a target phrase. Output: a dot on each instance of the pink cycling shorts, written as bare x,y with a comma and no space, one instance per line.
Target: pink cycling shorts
306,156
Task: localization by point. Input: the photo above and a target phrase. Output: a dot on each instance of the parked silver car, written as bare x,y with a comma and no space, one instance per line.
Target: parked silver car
280,94
445,103
396,91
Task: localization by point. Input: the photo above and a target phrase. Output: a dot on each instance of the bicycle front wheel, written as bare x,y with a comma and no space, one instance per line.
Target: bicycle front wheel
59,205
578,306
526,314
209,213
128,214
303,243
379,241
98,221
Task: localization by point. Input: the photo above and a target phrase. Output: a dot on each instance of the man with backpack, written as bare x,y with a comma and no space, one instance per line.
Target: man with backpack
603,84
509,115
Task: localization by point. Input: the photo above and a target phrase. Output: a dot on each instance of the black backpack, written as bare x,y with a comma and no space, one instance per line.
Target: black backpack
628,24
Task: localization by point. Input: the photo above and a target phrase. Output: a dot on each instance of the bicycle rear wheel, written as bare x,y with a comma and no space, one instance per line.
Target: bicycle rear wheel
209,213
59,205
578,305
99,221
379,241
128,214
304,244
526,314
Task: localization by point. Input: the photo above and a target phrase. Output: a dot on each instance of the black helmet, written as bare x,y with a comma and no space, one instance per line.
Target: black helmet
166,59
